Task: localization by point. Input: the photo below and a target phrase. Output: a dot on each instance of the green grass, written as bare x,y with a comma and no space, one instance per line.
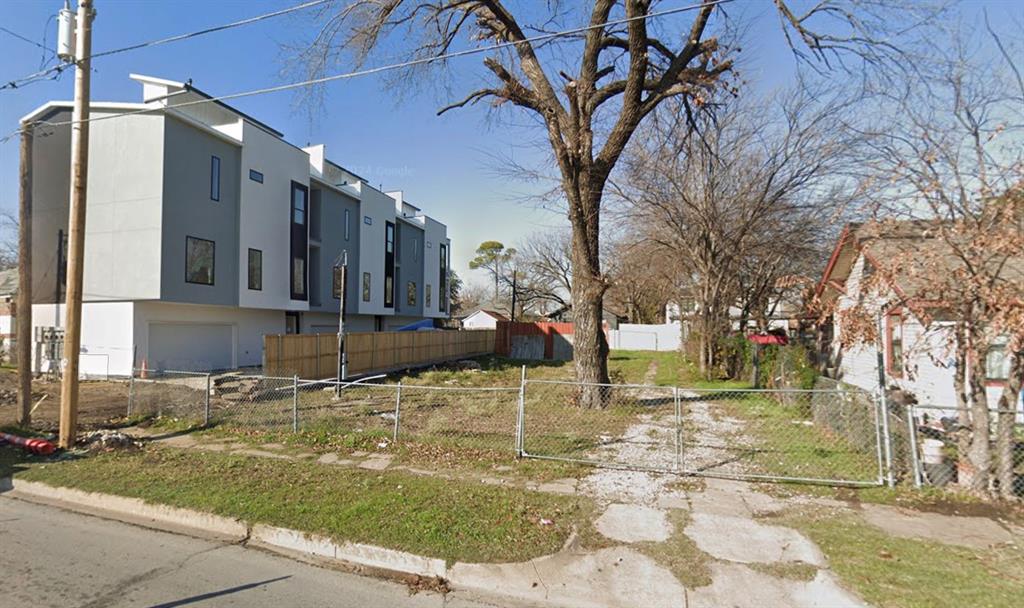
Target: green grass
908,573
453,520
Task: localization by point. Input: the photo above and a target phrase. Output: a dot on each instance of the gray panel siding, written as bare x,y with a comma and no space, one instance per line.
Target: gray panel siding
332,234
410,268
189,211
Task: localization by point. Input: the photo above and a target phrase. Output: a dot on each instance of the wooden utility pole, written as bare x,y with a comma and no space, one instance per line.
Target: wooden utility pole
23,309
76,228
341,266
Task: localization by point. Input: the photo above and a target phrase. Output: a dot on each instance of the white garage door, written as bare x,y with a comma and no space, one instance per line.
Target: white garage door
188,347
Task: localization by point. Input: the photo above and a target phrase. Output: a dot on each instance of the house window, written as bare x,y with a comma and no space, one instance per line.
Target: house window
366,287
997,363
410,293
255,269
389,265
895,345
426,295
368,220
415,250
215,178
336,282
348,217
198,261
442,283
256,176
298,278
299,206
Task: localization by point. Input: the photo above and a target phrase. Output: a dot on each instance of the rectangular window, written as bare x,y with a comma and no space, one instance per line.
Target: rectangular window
389,265
442,283
299,196
198,261
895,341
336,282
255,269
215,178
997,364
415,250
410,293
256,176
366,287
368,220
426,295
348,217
298,278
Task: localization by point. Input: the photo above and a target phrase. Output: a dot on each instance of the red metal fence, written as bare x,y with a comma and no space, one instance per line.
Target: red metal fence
508,331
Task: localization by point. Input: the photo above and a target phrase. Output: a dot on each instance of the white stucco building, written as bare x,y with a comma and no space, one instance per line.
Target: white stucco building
206,229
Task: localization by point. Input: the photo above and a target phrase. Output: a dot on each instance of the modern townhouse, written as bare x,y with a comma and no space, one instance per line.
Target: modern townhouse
206,230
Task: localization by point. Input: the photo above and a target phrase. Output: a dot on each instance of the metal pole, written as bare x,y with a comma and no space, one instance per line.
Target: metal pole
76,221
520,416
342,268
23,309
131,389
679,428
295,404
206,413
912,427
398,411
884,404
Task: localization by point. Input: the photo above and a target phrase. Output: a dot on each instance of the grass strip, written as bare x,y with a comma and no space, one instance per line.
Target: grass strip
453,520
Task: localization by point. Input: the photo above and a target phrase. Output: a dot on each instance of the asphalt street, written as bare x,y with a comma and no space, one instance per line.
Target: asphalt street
53,557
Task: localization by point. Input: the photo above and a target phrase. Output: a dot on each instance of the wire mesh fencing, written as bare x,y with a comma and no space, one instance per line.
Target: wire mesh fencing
458,417
168,393
939,442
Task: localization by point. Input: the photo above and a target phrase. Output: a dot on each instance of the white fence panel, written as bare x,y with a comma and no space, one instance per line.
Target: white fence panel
636,336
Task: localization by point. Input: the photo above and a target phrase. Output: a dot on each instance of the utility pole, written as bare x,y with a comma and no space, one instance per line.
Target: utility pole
23,308
76,227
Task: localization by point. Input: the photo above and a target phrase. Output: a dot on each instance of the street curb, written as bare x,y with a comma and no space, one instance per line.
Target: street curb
130,510
377,560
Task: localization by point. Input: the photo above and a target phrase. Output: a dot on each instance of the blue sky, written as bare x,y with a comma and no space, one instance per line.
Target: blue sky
444,164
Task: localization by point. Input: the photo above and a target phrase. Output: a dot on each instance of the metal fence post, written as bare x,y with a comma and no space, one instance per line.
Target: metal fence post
398,411
679,428
912,427
206,411
883,404
295,403
520,415
131,390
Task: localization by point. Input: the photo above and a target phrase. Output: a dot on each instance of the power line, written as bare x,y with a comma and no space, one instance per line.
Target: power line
141,45
24,39
385,68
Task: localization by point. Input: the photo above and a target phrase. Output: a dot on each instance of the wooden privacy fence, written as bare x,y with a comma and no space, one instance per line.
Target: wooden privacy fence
315,356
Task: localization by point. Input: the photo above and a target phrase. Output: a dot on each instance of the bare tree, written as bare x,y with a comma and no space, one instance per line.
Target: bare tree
591,88
948,158
742,205
544,268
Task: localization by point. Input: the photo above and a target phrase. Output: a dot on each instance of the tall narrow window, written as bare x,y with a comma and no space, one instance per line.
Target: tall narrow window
389,265
997,363
199,261
366,287
348,220
215,178
410,293
255,269
442,283
415,250
299,274
895,340
426,295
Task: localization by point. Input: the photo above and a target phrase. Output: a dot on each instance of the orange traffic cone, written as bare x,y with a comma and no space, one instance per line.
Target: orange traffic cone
144,373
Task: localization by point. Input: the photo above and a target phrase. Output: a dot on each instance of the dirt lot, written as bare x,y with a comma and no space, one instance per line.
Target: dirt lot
99,401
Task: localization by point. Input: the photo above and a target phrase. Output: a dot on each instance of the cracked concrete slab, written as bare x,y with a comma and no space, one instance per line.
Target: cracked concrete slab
376,463
633,524
559,486
332,458
610,578
743,540
738,586
974,532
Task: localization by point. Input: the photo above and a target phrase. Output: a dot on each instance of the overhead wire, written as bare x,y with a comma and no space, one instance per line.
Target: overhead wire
384,68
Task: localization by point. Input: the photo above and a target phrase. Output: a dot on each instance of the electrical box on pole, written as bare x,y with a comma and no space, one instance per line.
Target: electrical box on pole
66,33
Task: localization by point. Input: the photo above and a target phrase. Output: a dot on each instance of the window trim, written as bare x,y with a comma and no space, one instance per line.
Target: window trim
892,318
249,269
348,223
215,165
213,261
254,174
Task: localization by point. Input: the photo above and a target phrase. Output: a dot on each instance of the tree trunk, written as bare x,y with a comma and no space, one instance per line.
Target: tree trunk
590,347
1005,440
963,408
980,451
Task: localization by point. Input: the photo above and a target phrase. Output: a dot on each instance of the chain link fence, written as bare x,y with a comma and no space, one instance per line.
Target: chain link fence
835,434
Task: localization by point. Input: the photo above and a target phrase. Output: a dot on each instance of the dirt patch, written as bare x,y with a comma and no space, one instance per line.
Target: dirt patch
975,532
99,402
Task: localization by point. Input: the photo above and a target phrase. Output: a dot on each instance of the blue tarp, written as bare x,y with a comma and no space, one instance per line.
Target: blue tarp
418,325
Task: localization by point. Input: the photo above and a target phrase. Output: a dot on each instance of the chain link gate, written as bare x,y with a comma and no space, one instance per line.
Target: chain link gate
816,436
